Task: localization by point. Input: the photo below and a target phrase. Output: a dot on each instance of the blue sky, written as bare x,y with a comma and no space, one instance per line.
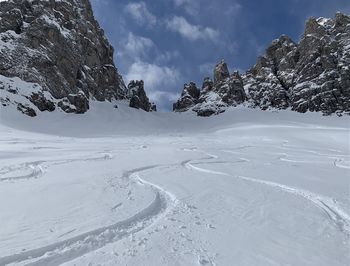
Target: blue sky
170,42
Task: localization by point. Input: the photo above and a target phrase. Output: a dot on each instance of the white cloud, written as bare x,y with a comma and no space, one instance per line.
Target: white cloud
136,46
207,69
159,96
140,13
155,77
167,56
190,6
190,31
159,81
233,9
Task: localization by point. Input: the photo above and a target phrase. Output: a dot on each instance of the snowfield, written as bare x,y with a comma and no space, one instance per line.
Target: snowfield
123,187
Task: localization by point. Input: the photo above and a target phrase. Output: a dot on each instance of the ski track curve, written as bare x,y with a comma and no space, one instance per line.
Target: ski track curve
36,168
72,248
341,163
328,205
75,247
35,171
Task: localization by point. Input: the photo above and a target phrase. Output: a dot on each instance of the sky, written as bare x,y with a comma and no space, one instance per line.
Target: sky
168,43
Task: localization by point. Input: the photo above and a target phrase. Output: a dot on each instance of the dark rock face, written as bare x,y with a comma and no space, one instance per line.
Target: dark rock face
59,46
312,75
189,98
138,97
221,72
41,102
26,110
226,90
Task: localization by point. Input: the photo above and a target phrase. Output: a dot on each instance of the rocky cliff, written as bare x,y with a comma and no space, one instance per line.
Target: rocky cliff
138,97
54,55
312,75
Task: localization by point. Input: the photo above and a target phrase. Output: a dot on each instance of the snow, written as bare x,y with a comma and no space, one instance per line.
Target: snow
51,21
126,187
324,21
7,40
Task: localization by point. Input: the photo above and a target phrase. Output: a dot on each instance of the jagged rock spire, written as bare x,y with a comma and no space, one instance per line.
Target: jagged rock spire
221,72
138,97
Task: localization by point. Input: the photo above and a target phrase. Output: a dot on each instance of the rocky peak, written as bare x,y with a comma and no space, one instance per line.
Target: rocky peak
308,76
138,98
189,98
59,47
191,90
312,75
221,72
278,50
315,26
207,84
215,96
342,22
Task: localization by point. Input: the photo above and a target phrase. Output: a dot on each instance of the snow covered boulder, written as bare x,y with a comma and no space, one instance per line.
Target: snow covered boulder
40,101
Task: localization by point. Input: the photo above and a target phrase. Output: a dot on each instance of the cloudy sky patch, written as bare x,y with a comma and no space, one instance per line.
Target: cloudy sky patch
171,42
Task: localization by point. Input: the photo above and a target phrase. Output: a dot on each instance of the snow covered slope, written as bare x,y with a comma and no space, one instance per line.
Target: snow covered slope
130,188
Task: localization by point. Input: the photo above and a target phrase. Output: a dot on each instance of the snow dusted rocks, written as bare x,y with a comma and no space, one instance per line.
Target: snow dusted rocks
189,98
138,97
59,46
22,94
312,75
215,97
265,88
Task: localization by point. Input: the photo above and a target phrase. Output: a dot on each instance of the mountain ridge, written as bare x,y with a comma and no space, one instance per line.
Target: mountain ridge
312,75
55,56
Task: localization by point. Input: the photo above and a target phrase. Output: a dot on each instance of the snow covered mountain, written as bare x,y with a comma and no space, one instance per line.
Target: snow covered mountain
312,75
54,55
126,187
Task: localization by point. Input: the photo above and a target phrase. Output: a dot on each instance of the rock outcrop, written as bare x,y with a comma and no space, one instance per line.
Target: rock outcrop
214,97
189,98
138,97
312,75
221,72
59,47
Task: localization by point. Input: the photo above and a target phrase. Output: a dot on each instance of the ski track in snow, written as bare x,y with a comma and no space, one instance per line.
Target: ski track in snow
36,168
69,249
341,163
75,247
328,205
35,171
